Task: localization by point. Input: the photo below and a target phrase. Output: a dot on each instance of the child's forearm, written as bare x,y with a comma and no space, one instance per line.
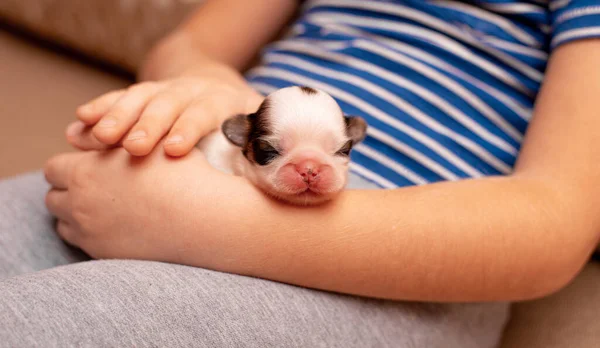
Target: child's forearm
229,32
475,240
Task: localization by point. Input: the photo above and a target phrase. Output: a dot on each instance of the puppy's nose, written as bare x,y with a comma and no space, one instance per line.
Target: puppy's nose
309,170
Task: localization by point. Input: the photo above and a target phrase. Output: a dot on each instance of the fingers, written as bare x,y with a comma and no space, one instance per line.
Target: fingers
196,121
58,169
124,113
91,112
66,232
80,136
57,202
155,121
141,116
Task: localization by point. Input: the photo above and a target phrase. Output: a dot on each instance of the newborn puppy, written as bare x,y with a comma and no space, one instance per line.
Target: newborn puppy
296,147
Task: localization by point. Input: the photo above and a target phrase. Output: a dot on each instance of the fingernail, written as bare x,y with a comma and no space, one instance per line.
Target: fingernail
137,135
74,128
107,122
176,139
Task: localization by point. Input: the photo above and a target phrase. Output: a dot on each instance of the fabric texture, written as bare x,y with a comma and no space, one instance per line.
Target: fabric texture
151,304
28,242
147,304
447,87
116,31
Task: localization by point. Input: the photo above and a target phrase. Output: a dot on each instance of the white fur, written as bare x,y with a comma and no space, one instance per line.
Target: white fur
309,119
219,152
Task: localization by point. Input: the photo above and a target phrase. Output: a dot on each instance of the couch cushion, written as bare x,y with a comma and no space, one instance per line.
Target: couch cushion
38,96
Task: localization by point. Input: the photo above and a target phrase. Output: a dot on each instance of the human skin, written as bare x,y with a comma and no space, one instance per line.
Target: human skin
190,81
508,238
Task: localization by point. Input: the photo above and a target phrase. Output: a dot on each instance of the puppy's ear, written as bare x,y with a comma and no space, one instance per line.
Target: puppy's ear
236,130
356,128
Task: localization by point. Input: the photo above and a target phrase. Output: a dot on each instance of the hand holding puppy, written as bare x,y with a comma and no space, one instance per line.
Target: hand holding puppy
182,109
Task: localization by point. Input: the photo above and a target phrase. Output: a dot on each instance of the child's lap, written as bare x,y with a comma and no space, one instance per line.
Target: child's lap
124,303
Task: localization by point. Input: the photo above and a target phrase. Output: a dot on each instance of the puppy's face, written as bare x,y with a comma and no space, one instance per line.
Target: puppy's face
297,145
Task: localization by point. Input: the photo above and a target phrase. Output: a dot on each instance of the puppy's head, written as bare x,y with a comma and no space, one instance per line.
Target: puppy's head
297,145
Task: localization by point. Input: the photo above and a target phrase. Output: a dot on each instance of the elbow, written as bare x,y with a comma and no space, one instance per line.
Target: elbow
564,237
555,276
558,260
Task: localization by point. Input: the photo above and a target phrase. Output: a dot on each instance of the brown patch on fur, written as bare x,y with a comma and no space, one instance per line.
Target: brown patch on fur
259,127
356,128
236,129
309,90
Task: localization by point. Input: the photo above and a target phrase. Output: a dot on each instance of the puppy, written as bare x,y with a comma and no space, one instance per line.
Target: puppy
295,147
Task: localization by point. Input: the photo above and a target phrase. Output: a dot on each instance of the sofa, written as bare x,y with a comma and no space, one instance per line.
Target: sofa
46,72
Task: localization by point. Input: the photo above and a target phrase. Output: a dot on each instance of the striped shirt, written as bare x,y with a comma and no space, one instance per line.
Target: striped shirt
447,87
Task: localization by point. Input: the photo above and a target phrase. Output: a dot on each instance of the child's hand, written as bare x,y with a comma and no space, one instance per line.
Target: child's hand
139,117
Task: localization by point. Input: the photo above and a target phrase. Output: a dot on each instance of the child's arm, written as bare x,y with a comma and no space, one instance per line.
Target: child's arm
501,238
230,32
192,81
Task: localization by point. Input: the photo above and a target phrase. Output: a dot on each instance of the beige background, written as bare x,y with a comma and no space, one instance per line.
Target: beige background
39,91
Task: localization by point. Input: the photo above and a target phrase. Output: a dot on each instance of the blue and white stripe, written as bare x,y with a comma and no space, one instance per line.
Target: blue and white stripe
447,87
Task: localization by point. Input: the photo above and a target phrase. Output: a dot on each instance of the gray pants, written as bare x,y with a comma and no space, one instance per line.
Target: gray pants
53,296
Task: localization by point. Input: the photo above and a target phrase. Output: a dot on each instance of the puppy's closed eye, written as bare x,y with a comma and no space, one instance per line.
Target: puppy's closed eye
345,150
264,153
